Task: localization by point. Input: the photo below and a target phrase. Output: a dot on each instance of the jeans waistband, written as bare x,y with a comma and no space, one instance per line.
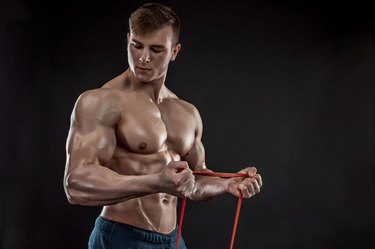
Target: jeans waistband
136,233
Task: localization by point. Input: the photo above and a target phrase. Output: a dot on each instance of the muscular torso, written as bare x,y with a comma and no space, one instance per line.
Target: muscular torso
148,136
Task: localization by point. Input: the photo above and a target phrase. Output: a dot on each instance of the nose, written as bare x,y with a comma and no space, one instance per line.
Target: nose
145,56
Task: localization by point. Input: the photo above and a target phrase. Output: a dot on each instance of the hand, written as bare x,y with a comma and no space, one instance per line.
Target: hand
248,186
177,179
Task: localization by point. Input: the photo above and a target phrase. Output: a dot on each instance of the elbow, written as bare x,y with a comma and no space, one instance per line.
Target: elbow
77,193
72,193
71,199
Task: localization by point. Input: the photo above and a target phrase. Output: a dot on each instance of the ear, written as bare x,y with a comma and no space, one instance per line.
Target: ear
127,38
175,51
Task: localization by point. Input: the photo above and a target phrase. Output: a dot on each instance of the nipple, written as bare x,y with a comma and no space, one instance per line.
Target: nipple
142,146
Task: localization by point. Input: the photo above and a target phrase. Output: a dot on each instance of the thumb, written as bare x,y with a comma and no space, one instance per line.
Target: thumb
251,171
180,167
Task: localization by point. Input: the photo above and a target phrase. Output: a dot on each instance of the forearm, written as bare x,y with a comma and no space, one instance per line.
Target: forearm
94,185
207,187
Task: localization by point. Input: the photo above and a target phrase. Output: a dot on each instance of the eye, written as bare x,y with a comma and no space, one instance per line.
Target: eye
157,50
136,45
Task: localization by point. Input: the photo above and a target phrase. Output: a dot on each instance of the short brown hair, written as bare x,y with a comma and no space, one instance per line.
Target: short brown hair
152,16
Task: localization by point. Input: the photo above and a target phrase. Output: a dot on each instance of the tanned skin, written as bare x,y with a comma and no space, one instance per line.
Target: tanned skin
133,144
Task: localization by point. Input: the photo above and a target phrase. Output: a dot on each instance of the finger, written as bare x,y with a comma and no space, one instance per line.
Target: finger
187,179
186,175
259,180
245,191
252,185
251,188
251,171
189,187
182,166
255,185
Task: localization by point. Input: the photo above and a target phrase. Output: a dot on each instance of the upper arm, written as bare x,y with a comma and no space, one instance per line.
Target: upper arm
91,136
196,156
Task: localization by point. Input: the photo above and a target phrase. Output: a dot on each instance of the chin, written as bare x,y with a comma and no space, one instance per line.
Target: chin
143,78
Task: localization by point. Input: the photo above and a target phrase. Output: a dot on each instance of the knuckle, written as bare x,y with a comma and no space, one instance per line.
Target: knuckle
177,182
180,189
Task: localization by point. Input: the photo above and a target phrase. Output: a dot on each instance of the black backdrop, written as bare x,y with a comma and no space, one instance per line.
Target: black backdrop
286,87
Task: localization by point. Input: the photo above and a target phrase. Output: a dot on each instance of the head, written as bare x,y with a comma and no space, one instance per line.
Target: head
152,40
153,16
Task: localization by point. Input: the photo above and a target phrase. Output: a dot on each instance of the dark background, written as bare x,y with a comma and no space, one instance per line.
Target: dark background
287,87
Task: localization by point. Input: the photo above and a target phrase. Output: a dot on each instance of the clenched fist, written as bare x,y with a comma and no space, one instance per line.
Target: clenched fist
177,179
248,186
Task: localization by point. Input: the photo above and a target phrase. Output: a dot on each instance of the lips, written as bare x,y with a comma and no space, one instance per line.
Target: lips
143,68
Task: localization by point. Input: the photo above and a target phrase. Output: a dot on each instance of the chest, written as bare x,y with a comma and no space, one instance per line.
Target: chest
147,128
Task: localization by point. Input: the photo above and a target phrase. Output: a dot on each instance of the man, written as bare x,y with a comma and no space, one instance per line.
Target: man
133,145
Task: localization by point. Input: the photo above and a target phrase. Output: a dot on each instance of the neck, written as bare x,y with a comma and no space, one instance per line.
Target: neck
155,89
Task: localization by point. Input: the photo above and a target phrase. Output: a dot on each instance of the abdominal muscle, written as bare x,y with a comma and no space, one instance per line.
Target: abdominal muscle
154,212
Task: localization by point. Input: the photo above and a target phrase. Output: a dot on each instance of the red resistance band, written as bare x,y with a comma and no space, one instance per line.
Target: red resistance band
217,174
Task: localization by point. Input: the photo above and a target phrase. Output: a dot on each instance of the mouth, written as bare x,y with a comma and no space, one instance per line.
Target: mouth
143,68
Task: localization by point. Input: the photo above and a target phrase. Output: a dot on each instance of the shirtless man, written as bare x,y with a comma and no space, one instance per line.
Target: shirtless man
133,144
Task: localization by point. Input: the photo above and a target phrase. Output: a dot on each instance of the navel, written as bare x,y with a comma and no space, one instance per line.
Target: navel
142,146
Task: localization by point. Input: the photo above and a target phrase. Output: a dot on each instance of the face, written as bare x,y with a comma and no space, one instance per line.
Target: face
149,54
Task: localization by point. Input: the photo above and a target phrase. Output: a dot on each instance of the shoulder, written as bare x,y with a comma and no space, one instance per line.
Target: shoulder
98,96
188,109
97,104
194,114
188,106
103,98
182,103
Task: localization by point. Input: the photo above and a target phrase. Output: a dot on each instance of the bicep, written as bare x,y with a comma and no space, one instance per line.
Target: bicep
91,136
94,146
196,156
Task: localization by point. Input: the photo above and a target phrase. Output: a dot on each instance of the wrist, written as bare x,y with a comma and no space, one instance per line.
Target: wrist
157,184
226,185
148,184
207,187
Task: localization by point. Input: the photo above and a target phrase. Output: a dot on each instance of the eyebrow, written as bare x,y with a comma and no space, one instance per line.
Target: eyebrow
155,45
